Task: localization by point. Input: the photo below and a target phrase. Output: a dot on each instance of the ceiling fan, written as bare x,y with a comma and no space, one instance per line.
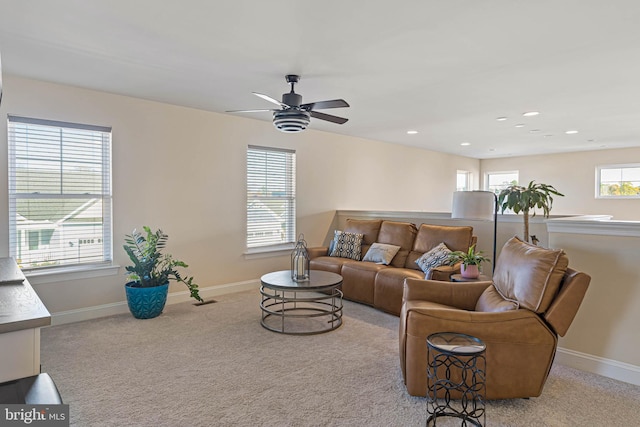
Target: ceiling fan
293,115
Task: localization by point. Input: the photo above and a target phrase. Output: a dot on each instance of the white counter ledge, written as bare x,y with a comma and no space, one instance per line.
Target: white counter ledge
22,314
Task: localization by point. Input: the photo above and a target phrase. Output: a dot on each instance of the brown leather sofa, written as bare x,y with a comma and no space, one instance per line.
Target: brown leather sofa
533,298
381,286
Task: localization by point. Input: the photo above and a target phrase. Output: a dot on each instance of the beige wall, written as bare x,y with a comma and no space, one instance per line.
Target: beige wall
607,323
183,170
573,174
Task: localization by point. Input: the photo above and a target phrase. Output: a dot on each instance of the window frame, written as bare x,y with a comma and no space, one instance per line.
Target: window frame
487,174
56,272
289,198
467,178
598,181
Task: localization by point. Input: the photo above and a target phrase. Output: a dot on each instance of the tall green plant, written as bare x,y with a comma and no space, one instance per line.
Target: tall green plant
527,199
150,266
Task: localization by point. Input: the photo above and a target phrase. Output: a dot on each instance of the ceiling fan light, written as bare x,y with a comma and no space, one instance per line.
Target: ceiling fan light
291,121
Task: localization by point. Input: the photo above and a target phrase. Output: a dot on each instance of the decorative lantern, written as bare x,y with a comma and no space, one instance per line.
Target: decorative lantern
300,261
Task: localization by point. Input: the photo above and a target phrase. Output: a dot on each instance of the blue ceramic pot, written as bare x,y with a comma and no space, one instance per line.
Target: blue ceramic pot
146,303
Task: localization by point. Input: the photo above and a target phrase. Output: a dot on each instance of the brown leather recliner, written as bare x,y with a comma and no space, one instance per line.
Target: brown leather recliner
534,298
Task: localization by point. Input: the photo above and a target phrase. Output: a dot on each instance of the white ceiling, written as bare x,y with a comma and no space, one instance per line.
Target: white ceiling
446,68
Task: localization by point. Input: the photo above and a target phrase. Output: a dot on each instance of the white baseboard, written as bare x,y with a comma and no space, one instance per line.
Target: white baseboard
599,365
88,313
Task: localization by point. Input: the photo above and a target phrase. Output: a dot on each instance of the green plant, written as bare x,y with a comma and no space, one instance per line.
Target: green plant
471,257
526,199
150,266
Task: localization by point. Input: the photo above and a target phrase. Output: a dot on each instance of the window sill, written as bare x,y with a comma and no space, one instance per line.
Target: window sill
269,251
64,274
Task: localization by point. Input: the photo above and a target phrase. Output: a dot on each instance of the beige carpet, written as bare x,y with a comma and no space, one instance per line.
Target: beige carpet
214,365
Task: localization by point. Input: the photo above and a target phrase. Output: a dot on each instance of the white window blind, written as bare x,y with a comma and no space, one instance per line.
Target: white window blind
59,193
271,196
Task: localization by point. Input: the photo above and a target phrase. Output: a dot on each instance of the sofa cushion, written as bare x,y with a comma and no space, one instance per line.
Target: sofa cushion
358,280
389,287
347,245
328,263
381,253
400,234
435,257
529,274
492,301
369,228
457,238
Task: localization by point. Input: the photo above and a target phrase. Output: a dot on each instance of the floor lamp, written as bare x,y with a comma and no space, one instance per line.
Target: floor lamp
477,205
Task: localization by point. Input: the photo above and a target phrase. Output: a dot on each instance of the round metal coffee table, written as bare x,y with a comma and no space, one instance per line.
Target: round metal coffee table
301,308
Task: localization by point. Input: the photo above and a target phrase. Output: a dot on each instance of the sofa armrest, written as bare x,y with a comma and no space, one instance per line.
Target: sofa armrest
515,326
565,306
318,252
462,295
444,272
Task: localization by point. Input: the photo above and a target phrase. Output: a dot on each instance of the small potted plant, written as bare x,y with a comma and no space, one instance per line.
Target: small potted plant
151,272
470,260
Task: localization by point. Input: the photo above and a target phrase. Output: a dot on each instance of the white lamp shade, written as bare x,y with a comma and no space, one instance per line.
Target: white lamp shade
476,205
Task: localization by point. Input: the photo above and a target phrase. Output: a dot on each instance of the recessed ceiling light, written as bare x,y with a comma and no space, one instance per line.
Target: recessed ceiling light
591,140
501,119
412,132
519,125
492,149
548,136
465,143
534,130
530,113
571,132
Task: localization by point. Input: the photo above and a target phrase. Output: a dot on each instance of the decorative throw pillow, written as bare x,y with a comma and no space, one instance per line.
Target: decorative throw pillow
434,258
347,245
381,253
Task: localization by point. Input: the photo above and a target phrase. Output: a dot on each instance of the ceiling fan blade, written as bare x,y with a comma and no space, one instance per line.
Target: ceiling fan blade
248,111
320,105
328,117
270,99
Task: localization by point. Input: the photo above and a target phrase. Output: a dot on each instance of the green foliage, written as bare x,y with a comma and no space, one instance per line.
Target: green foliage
471,257
150,266
624,189
524,199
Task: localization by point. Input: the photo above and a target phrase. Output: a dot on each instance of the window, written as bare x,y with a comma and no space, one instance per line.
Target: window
497,181
271,197
463,181
618,181
59,193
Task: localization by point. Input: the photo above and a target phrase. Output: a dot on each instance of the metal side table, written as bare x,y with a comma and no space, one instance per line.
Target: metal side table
456,372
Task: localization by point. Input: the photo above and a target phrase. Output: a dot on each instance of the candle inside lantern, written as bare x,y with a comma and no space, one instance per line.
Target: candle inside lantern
300,271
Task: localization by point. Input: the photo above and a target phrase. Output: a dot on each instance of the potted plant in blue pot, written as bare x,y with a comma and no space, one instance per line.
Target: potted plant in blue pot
151,272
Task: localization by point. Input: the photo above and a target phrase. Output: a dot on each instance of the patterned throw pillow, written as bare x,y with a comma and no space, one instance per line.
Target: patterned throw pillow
434,258
381,253
347,245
